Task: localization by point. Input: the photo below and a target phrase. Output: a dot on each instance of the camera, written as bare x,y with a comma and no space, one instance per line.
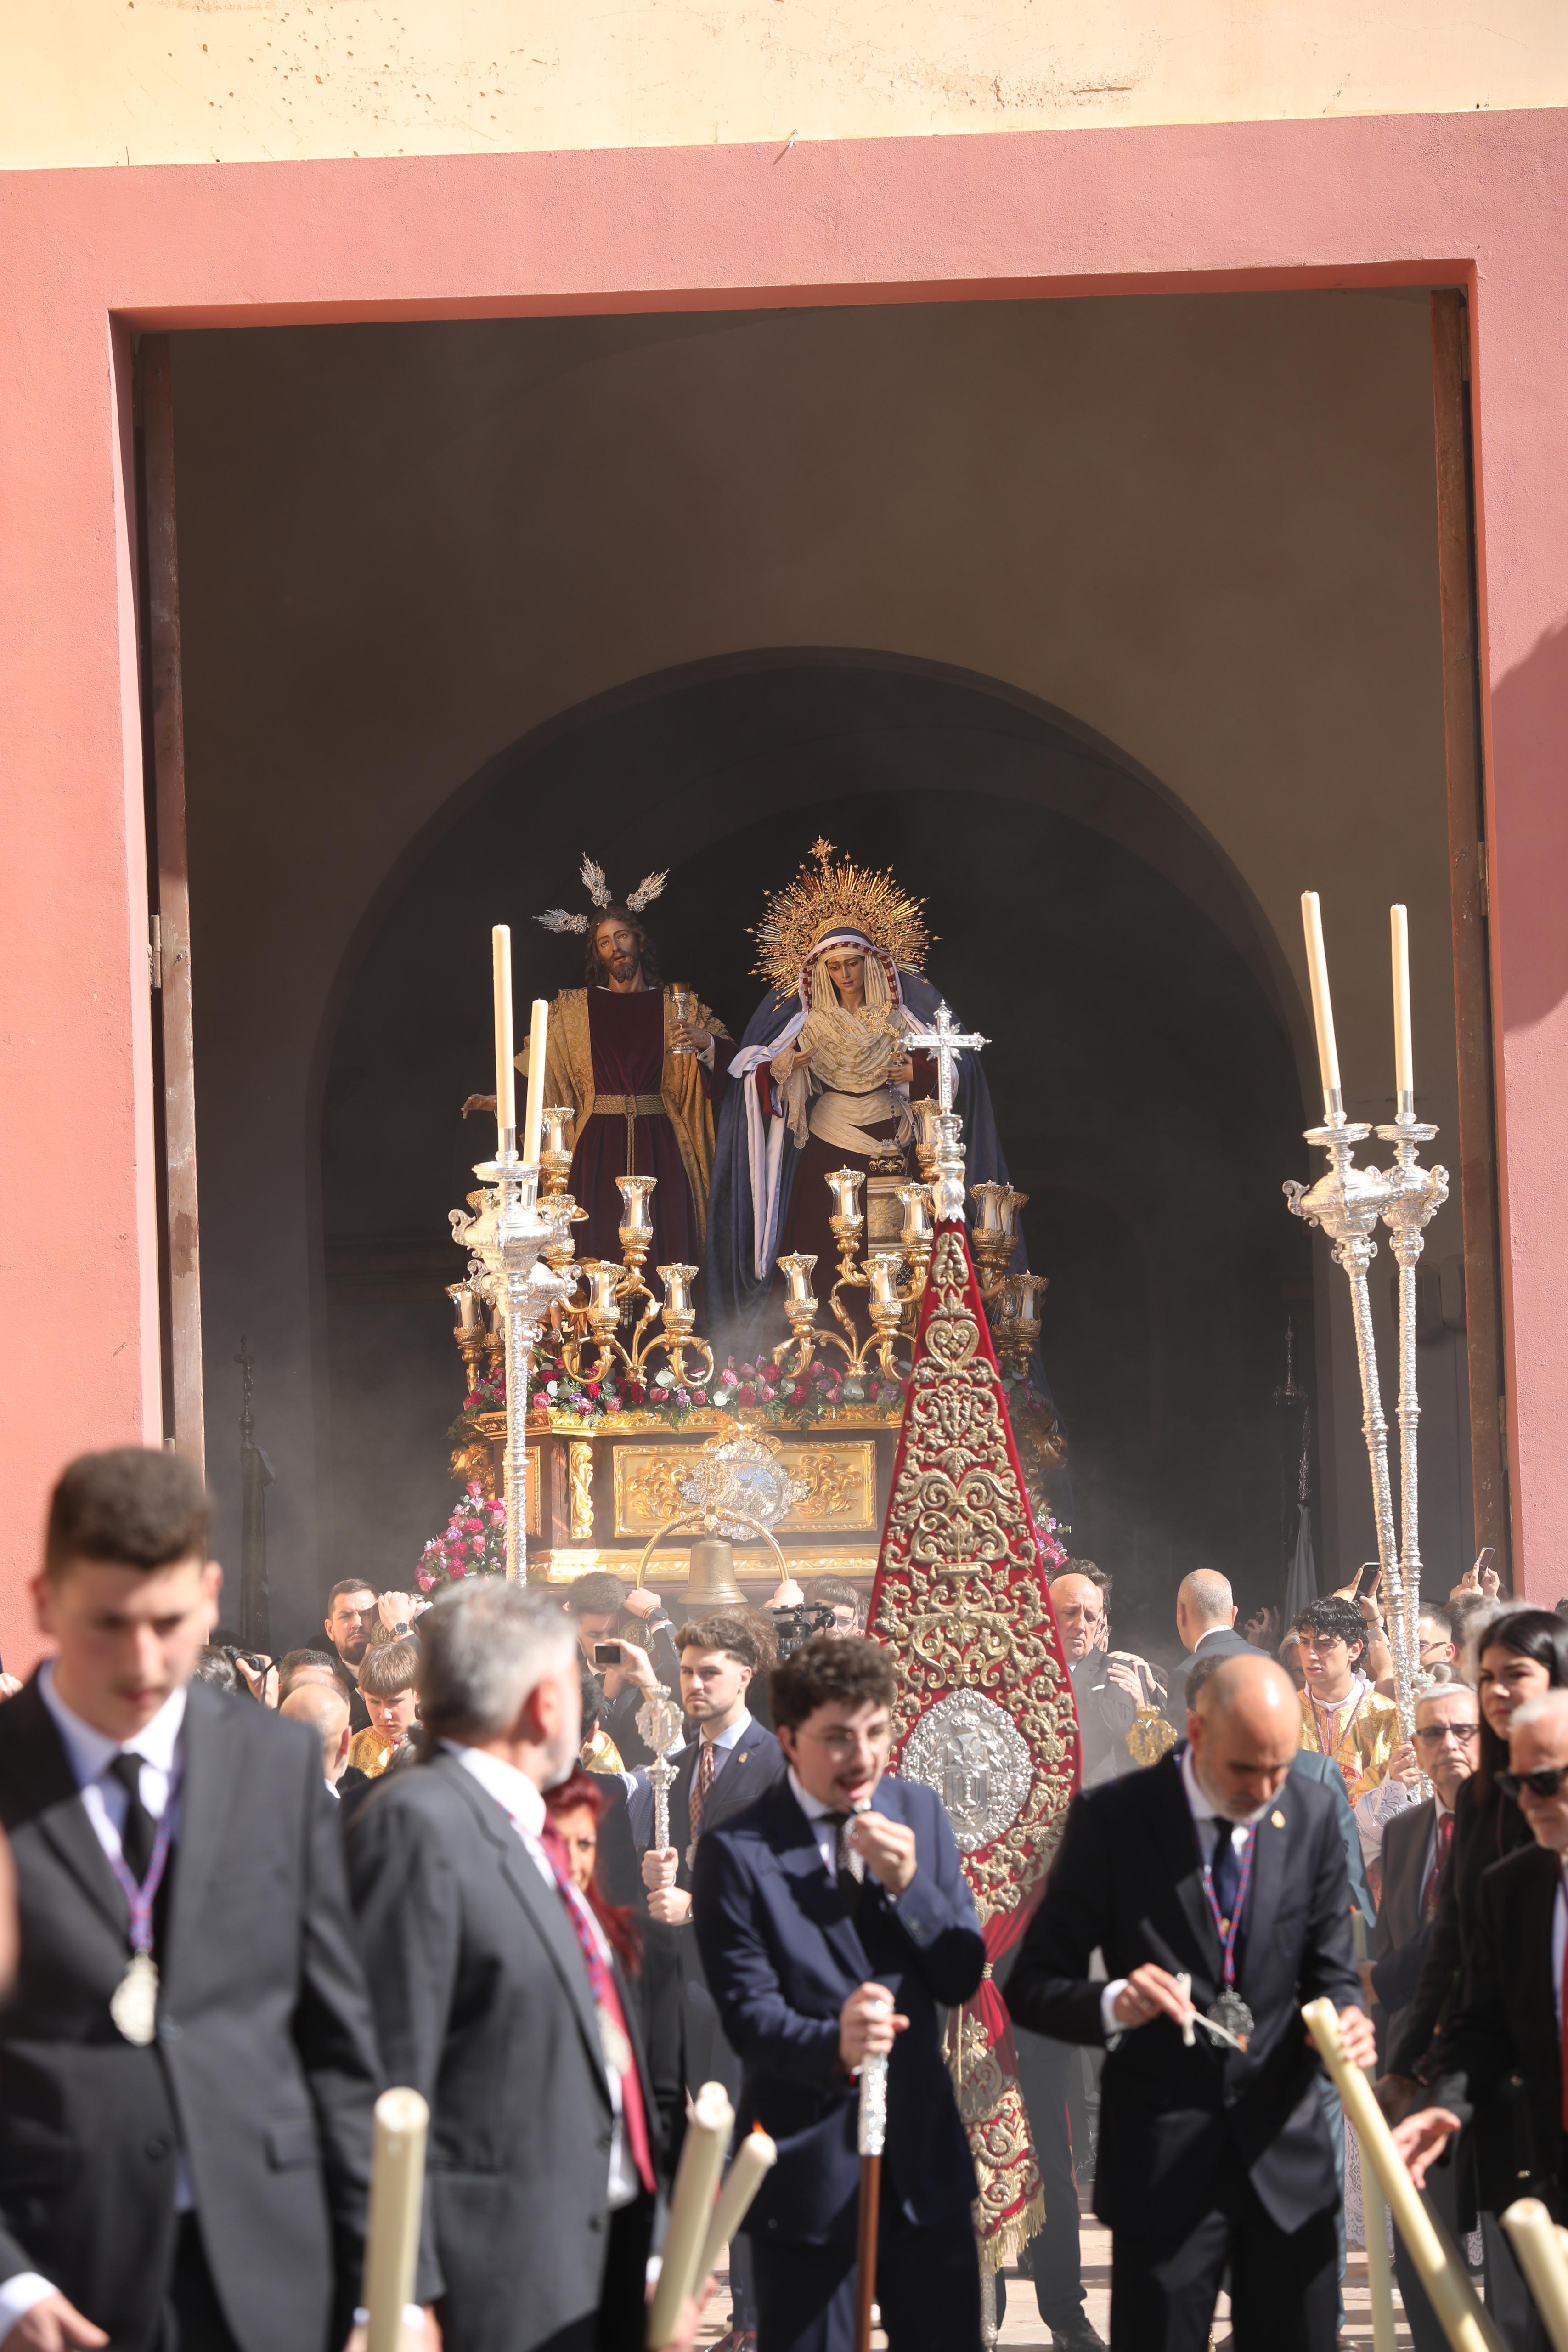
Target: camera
797,1624
609,1653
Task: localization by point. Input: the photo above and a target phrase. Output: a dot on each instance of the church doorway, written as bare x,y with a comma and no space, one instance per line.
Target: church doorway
1109,623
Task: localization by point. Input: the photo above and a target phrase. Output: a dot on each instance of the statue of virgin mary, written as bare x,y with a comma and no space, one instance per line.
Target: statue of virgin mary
823,1079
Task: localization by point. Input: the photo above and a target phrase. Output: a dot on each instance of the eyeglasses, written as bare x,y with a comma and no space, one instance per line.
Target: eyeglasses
1544,1783
840,1744
1431,1733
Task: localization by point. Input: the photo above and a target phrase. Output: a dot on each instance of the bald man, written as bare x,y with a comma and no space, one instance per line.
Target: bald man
1206,1617
324,1708
1220,1869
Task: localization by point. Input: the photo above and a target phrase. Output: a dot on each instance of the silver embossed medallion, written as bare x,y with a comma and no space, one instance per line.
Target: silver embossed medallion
133,2004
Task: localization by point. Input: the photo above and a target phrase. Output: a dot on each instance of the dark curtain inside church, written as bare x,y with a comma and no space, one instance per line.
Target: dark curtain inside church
1143,1082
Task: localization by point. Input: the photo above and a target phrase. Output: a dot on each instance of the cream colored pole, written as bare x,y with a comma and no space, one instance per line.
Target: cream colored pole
691,2210
397,2193
1537,2245
1459,2315
1374,2214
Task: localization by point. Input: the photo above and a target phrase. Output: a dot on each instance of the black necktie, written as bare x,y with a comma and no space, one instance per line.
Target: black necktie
1227,1872
137,1835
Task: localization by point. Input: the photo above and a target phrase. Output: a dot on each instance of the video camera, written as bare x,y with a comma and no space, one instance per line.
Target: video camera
797,1624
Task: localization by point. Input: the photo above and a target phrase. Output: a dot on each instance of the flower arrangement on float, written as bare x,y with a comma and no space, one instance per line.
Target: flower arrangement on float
472,1543
754,1392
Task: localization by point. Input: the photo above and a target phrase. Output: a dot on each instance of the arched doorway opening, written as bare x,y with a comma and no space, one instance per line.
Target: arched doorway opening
1145,1065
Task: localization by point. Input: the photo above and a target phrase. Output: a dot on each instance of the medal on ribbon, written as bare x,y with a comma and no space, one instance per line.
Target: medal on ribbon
1227,2009
133,2004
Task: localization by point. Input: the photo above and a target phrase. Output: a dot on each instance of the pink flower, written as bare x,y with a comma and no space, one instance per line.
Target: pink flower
746,1395
472,1527
612,1404
424,1582
478,1546
801,1394
454,1571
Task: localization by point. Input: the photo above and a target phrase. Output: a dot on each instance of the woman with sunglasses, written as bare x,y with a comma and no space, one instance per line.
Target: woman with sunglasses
1522,1654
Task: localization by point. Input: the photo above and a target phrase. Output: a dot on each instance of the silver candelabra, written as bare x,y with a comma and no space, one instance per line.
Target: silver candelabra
507,1268
1348,1203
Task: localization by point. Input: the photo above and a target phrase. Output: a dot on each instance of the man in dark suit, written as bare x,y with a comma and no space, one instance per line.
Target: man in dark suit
1206,1617
1223,1868
187,2065
725,1768
1501,2063
1415,1852
498,1997
835,1923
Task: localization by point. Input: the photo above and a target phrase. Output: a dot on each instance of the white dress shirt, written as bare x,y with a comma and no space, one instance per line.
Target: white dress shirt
1204,1819
724,1743
824,1828
89,1753
522,1801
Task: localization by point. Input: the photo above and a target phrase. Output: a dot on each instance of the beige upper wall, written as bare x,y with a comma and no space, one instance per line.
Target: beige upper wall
184,82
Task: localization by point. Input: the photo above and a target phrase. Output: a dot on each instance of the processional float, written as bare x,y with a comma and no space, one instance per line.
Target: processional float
1348,1203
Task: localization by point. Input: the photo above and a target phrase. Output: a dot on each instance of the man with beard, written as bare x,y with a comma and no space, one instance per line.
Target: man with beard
1215,1886
351,1614
645,1084
498,1998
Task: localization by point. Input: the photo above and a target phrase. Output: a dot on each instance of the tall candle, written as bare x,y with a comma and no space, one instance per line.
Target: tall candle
392,2240
534,1112
754,2160
506,1074
708,2128
1323,1009
1404,1076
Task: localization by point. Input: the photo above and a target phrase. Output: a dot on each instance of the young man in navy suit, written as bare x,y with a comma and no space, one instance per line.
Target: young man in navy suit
835,1923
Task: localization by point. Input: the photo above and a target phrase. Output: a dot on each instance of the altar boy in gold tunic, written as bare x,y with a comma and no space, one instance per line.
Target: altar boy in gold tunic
1343,1716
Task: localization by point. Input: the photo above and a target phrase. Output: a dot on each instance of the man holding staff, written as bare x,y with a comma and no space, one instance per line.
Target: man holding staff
835,1924
1216,1886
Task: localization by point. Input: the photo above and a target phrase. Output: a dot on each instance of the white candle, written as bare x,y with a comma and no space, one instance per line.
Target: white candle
754,2160
1399,925
506,1074
534,1112
1323,1009
397,2190
691,2210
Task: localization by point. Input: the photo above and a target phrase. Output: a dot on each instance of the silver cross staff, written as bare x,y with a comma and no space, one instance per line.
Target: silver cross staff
945,1041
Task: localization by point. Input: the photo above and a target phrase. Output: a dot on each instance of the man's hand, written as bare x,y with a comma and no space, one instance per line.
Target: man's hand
887,1848
641,1602
689,1037
478,1102
1123,1675
868,2025
1356,2035
787,1595
53,2325
690,2321
260,1680
398,1608
672,1908
423,2335
1480,1577
1422,2137
1150,1992
1394,2094
1401,1765
9,1685
636,1667
659,1864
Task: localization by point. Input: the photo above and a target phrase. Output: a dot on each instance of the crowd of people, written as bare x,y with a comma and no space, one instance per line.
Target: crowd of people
242,1894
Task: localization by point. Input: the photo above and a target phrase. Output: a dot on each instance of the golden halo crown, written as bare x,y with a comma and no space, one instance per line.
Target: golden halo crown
837,895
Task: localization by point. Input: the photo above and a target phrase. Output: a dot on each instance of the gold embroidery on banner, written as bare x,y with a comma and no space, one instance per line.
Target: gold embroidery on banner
951,1603
840,1484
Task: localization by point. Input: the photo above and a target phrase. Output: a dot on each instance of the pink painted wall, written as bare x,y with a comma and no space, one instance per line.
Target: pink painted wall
1475,199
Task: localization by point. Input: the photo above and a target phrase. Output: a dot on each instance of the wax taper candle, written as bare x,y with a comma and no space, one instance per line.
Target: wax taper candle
397,2191
506,1074
708,2129
534,1111
754,2160
1403,1070
1323,1007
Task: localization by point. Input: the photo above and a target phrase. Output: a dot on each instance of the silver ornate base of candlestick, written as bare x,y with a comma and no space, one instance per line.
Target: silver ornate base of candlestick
1348,1203
507,1269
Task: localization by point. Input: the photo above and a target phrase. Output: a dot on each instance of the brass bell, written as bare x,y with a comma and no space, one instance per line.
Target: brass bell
710,1584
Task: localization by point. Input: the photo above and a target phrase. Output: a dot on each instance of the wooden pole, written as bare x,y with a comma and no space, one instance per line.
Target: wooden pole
1469,899
1459,2315
866,2249
1375,2213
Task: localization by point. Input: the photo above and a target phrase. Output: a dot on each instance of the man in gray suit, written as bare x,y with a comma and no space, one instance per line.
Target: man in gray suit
497,1996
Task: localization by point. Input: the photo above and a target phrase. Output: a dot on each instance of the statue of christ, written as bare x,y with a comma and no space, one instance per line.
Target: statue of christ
643,1083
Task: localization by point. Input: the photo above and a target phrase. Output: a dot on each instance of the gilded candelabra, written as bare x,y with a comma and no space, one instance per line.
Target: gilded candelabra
614,1292
893,1278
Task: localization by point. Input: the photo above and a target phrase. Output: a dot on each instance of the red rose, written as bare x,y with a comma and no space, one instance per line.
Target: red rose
800,1395
746,1395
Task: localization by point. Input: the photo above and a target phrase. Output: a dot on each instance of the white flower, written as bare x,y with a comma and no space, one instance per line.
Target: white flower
723,1397
664,1380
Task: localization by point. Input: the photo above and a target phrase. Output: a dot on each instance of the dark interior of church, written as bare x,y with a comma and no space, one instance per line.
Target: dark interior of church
1143,1082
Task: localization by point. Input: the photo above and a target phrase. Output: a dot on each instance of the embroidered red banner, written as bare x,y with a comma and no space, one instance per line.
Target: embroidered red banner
985,1713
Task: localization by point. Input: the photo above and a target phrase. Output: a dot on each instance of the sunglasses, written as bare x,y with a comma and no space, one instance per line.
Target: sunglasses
1544,1783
